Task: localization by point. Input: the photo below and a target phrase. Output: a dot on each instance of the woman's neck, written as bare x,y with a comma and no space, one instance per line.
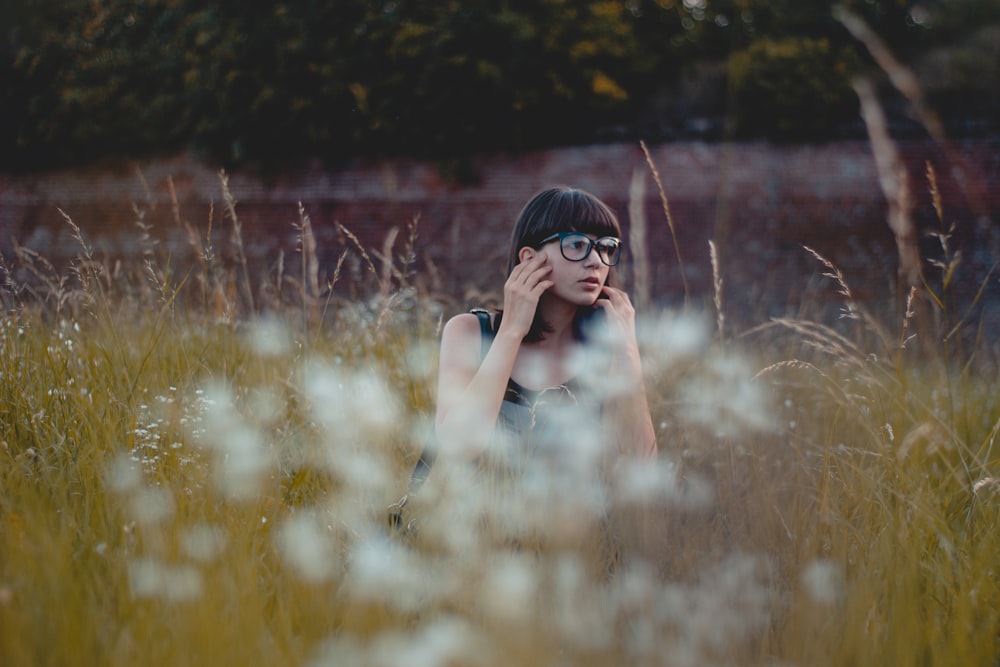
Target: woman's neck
559,315
541,364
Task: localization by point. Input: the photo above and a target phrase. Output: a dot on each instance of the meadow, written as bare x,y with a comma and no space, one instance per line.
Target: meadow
197,464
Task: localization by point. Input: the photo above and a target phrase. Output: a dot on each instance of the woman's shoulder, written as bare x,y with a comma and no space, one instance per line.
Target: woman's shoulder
462,331
478,321
462,342
462,324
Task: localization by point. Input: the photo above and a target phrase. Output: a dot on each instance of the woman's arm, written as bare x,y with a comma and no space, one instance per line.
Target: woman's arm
628,409
469,392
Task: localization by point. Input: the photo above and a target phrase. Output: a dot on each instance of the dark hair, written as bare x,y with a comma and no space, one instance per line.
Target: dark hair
560,209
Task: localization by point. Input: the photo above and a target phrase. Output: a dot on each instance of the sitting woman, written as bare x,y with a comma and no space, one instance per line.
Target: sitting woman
544,396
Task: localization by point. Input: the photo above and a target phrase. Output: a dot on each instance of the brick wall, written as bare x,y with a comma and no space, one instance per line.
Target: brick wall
759,202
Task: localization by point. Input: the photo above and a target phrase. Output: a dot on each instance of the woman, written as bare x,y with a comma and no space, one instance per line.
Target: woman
536,403
565,335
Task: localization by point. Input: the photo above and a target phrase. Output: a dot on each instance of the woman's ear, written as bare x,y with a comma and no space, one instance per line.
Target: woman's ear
526,253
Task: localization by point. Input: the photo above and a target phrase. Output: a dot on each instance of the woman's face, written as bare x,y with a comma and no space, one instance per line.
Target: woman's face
577,282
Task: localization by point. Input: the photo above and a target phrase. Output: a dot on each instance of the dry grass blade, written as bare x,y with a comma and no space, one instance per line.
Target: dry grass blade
310,263
237,239
950,260
86,268
385,279
907,83
385,257
175,206
894,183
907,316
901,76
409,255
204,254
279,276
9,292
720,314
361,248
336,271
934,190
54,285
797,364
825,339
670,221
838,276
637,238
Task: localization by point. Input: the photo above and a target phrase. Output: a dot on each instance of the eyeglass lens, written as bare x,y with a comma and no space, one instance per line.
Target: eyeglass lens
576,247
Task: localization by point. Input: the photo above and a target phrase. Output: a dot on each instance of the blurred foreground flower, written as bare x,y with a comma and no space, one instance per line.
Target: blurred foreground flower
725,397
383,571
641,482
269,337
349,403
306,543
449,640
823,581
667,339
203,542
149,578
241,459
357,411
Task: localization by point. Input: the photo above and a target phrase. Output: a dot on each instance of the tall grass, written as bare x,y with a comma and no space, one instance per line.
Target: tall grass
196,464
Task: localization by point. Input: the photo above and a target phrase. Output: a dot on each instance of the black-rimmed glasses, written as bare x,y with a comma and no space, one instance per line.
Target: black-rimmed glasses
576,246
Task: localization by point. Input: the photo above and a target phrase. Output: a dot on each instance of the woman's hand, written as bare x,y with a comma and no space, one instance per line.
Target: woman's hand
620,317
526,284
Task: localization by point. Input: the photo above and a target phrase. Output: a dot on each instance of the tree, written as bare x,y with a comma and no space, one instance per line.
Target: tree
238,83
790,89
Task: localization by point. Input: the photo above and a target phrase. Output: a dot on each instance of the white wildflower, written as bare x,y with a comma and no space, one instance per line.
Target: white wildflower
382,570
123,475
446,641
152,505
641,481
726,398
352,402
668,339
509,589
203,542
242,458
269,337
149,577
823,581
306,543
242,463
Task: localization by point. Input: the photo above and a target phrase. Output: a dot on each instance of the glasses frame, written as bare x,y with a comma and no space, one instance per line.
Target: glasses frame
562,236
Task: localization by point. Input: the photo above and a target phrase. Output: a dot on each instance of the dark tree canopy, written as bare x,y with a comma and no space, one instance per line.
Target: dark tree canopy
243,83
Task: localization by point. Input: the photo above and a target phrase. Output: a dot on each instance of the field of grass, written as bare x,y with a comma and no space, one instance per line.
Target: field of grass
196,466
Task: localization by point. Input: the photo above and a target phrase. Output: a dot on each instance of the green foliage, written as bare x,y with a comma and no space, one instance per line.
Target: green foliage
86,79
790,89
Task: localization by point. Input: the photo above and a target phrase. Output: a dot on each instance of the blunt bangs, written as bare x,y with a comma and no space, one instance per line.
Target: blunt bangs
589,215
572,211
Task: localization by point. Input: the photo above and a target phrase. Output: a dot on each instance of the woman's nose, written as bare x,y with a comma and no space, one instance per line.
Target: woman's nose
593,257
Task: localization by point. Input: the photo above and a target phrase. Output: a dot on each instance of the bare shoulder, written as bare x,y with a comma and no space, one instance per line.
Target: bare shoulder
460,349
461,330
462,325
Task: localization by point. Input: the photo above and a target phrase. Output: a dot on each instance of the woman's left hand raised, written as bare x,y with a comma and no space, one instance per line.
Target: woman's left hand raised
620,318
